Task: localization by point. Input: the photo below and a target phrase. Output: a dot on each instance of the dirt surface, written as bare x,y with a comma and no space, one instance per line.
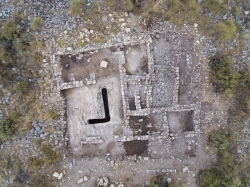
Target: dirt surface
142,125
85,103
80,69
136,60
180,121
136,147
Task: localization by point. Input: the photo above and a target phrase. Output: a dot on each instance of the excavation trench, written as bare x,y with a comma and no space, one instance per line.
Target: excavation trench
106,109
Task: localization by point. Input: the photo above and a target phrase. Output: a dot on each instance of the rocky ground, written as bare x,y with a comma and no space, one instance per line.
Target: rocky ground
62,33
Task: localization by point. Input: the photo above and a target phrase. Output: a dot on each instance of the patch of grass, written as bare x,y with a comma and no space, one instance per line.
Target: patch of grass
193,10
180,11
75,8
51,114
236,11
226,30
219,140
245,36
81,44
128,5
111,2
245,77
36,162
8,126
50,155
223,76
41,181
18,16
21,89
36,23
97,40
38,142
227,171
8,163
37,58
91,13
206,26
215,6
10,30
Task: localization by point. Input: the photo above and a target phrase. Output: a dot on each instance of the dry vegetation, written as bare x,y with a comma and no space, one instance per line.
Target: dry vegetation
18,51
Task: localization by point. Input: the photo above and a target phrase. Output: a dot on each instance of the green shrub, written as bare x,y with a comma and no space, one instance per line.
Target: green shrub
219,140
215,6
210,177
193,10
36,23
8,126
179,11
97,40
236,11
226,30
128,5
81,44
75,8
206,26
223,76
10,30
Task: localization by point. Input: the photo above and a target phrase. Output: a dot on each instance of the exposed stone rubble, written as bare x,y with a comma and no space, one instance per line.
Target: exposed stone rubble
59,23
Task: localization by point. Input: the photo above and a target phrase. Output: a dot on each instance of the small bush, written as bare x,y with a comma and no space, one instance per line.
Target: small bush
10,30
223,76
215,6
75,8
219,140
206,26
36,23
245,77
193,10
236,11
97,40
179,11
18,16
8,126
226,30
81,44
128,5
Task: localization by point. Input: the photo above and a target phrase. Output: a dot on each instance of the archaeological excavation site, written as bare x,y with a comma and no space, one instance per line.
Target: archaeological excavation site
135,100
124,93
